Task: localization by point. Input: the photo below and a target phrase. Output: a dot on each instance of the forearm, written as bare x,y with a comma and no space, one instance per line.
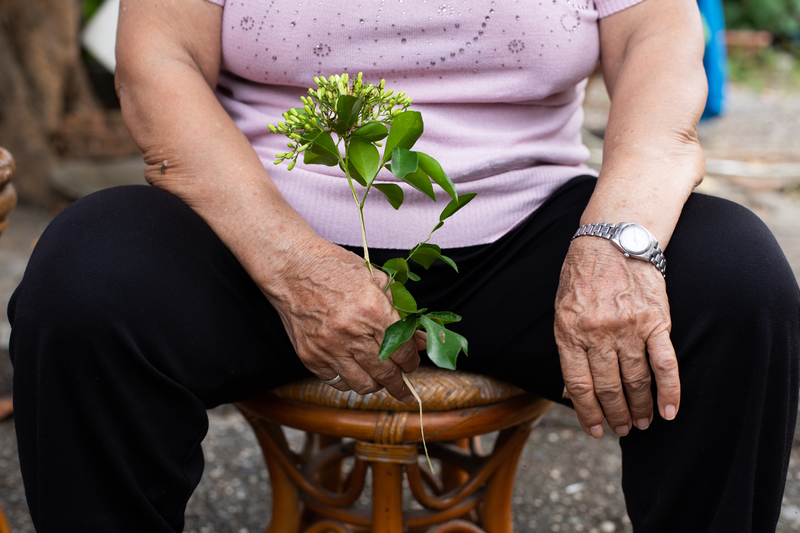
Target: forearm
652,158
195,151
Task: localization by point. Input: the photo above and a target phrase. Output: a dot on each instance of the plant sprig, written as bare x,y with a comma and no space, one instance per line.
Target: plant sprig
363,118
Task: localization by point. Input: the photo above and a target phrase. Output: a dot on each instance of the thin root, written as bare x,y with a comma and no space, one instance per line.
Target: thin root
421,430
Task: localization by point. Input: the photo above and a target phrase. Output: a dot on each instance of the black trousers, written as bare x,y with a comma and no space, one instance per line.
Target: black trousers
133,319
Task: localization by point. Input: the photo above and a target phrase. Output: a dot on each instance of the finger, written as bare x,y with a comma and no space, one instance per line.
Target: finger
420,338
665,368
386,373
406,357
636,380
354,376
604,364
580,388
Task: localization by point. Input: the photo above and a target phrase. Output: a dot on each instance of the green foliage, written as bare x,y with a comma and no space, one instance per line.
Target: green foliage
361,116
88,8
766,68
781,17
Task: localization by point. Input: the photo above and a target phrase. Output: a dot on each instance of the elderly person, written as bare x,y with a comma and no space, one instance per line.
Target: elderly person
142,307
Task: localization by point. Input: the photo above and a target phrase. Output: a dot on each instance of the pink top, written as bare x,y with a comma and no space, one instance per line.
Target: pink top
499,84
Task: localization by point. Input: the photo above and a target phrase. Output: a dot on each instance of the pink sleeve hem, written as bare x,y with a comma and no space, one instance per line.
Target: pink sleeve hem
609,7
218,2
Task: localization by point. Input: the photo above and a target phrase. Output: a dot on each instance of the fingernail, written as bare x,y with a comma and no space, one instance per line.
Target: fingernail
622,430
643,423
670,411
565,394
408,399
596,431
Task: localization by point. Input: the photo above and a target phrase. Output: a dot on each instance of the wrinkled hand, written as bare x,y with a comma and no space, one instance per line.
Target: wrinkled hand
611,312
335,314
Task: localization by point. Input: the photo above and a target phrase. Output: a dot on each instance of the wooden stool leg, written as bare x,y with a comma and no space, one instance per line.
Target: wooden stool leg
387,498
331,476
452,476
496,513
285,493
285,500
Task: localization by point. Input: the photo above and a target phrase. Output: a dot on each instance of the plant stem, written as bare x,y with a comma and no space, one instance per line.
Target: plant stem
360,206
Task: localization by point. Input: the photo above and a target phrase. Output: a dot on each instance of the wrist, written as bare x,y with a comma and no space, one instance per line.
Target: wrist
632,240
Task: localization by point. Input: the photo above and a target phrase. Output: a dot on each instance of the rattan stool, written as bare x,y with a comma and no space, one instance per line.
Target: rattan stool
313,491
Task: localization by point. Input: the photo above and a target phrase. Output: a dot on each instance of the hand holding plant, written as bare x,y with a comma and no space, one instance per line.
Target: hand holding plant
361,116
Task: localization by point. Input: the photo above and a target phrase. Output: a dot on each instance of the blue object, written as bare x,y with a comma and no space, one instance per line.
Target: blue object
715,59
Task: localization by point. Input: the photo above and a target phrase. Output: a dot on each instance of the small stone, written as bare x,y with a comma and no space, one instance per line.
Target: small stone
607,526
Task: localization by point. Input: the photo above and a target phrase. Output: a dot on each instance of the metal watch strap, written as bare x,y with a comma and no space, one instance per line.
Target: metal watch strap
658,260
609,231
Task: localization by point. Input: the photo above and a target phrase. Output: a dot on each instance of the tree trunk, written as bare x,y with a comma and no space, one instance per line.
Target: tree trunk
42,78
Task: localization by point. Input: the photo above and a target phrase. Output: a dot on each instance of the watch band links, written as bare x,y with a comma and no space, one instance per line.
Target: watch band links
601,229
609,231
659,261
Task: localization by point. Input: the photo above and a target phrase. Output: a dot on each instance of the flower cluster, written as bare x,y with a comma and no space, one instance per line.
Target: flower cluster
339,105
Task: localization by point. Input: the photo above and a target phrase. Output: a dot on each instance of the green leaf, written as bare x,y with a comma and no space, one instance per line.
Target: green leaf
455,205
405,166
396,335
434,170
393,193
420,181
403,162
445,317
353,171
381,268
398,265
413,277
402,299
443,345
425,254
406,129
313,158
347,109
365,158
324,145
310,135
371,131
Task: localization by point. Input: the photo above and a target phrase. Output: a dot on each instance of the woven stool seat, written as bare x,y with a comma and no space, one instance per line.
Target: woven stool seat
439,391
318,489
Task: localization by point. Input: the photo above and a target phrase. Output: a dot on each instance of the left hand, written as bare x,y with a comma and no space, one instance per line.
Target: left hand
611,312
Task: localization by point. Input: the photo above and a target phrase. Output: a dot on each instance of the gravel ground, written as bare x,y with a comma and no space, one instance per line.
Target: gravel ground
566,480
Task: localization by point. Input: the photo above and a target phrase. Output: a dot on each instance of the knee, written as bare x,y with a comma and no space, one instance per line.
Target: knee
724,264
86,268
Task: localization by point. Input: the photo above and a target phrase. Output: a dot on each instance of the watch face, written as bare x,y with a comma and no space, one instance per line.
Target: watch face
634,239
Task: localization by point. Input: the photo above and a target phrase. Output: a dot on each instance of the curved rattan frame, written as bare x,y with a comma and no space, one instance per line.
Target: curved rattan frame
313,494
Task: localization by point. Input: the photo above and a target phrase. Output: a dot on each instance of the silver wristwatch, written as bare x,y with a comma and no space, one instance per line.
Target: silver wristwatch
632,240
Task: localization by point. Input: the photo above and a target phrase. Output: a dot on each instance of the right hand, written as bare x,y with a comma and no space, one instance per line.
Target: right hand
335,314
